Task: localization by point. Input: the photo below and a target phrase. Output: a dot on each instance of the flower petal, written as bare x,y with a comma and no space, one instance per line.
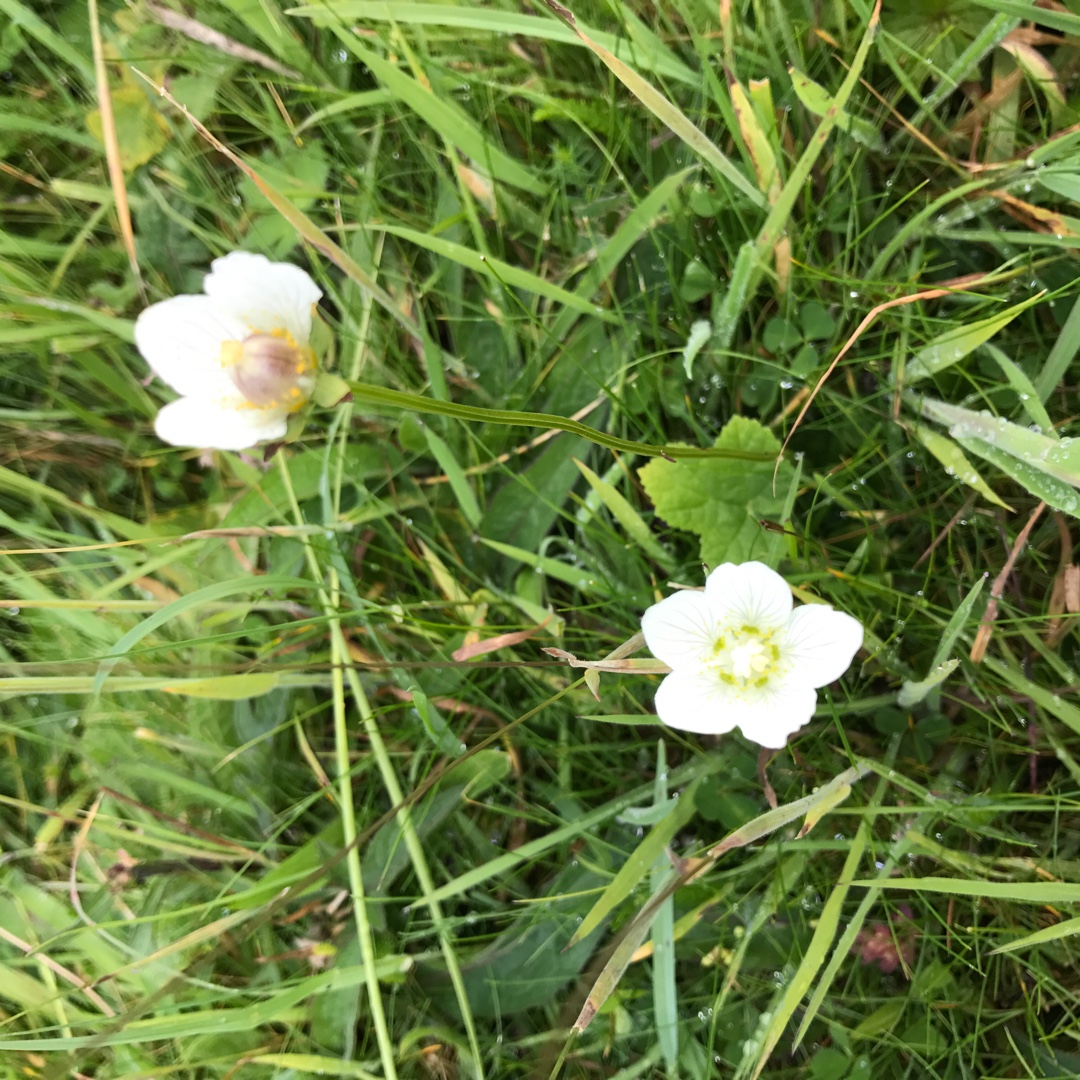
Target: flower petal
749,594
704,704
181,340
681,630
819,644
692,702
264,295
772,716
196,422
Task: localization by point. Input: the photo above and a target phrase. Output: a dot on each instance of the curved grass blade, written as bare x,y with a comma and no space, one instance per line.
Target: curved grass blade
505,23
816,803
503,272
664,110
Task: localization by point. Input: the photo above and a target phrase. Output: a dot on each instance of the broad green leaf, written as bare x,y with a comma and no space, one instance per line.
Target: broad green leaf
952,346
141,131
724,501
956,463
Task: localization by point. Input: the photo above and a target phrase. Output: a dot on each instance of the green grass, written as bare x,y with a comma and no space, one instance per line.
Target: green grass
256,820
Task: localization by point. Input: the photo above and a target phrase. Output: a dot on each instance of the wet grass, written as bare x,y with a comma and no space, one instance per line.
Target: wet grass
268,808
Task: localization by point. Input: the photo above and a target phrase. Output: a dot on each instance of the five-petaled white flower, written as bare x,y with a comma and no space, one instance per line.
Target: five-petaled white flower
741,657
237,355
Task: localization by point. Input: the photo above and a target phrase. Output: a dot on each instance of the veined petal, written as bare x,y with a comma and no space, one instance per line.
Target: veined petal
265,296
703,704
182,338
749,594
197,422
695,702
819,644
770,717
681,630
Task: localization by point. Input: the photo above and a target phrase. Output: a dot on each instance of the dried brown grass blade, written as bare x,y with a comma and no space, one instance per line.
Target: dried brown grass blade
112,145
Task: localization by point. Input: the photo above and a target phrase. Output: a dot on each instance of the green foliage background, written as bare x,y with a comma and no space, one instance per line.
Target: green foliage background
256,816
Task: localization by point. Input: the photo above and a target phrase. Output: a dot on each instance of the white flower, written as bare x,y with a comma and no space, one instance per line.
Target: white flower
238,356
741,657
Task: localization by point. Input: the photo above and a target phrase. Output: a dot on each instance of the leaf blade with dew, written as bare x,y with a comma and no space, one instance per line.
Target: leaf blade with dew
638,864
455,475
1029,892
696,340
1025,389
912,692
495,269
444,116
956,344
1047,466
665,990
819,101
956,463
625,514
1040,937
471,879
825,931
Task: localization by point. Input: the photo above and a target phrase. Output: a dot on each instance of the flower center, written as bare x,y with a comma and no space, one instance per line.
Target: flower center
270,370
745,656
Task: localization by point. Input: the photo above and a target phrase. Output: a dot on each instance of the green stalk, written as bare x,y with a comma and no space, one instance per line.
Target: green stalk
345,794
416,854
400,399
